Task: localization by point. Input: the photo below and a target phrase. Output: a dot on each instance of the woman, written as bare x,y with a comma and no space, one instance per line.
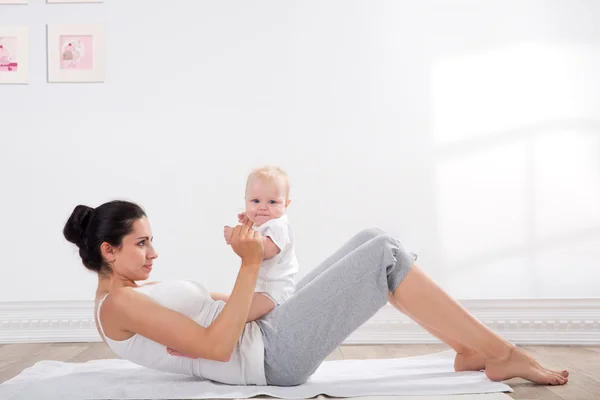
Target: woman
176,326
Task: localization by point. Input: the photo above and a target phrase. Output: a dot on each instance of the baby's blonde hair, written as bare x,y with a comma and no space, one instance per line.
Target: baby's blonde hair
269,174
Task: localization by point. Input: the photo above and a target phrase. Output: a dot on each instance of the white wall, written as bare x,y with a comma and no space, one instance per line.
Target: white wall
469,129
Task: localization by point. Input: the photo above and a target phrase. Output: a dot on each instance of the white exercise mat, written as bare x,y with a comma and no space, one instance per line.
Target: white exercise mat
431,374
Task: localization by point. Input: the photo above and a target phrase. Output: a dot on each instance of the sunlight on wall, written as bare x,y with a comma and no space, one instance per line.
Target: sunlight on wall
513,87
517,138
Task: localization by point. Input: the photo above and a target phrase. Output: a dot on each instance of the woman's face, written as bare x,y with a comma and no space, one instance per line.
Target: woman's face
134,259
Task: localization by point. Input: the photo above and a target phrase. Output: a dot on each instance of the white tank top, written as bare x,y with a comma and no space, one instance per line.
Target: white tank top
246,366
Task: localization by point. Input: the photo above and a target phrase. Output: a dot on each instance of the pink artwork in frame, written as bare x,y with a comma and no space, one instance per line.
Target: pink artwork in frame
9,54
14,54
76,53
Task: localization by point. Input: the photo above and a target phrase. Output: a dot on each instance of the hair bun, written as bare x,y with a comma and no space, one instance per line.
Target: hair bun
75,230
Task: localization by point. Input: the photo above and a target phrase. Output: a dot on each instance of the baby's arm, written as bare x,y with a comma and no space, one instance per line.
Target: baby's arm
270,249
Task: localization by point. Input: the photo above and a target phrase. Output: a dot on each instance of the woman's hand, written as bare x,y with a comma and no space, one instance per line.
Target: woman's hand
247,244
229,325
175,353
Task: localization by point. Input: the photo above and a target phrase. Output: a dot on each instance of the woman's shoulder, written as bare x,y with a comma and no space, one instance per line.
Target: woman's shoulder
170,283
184,296
176,293
123,296
148,286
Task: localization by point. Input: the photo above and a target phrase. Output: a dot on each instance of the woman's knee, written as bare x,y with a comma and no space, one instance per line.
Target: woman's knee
387,240
370,233
391,245
400,261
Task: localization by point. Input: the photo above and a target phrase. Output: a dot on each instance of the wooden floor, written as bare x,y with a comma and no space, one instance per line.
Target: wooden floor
582,362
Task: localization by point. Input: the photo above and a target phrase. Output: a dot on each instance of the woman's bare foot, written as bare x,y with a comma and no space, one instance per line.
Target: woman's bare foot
519,364
469,361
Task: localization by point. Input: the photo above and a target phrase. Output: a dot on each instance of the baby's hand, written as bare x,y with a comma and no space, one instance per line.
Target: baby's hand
241,217
227,231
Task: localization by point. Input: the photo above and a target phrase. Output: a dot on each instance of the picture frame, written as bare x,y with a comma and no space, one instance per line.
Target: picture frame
73,1
14,2
76,53
14,54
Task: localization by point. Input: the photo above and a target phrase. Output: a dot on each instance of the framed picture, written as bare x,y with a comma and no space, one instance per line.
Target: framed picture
75,1
14,1
14,54
75,53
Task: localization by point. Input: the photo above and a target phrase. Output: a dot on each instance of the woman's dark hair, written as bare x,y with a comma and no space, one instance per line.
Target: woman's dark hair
88,228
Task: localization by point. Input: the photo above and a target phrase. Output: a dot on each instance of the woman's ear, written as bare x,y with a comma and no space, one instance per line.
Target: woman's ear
108,252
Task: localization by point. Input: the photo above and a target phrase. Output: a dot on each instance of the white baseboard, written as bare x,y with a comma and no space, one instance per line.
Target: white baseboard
536,321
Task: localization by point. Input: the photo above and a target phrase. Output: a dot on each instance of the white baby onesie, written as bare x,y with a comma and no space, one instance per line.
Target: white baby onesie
277,274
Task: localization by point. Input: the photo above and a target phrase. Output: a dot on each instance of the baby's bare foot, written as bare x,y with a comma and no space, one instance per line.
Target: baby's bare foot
469,361
519,364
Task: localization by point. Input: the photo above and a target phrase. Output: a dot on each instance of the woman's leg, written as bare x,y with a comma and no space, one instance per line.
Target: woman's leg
466,360
445,315
300,333
360,238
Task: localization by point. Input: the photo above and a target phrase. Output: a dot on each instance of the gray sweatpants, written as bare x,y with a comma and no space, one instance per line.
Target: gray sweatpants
330,302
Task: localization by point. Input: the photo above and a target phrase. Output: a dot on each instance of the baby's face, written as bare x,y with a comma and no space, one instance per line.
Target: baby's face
265,200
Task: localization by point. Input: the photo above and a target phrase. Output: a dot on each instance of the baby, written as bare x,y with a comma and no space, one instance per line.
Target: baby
267,199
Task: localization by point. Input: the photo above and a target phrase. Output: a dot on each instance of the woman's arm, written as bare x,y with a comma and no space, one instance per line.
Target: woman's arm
230,323
138,313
